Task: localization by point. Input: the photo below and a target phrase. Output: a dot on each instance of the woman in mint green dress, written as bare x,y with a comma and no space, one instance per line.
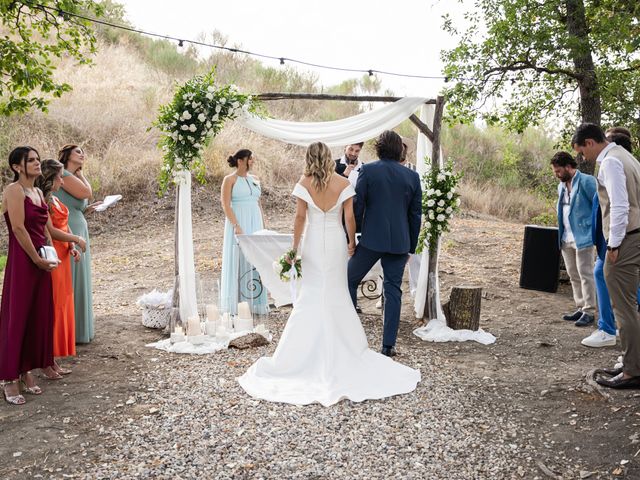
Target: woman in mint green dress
75,194
240,198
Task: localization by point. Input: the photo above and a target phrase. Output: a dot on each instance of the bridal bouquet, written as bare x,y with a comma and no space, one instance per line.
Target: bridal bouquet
288,266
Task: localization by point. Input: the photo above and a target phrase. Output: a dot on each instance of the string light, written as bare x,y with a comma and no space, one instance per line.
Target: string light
181,42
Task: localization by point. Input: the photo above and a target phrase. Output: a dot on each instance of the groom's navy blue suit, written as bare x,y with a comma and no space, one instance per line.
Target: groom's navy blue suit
388,208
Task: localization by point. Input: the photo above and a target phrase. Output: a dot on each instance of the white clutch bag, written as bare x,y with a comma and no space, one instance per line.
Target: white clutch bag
48,253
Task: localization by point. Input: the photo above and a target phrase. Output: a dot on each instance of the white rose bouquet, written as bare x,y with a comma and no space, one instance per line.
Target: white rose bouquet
288,266
440,200
197,113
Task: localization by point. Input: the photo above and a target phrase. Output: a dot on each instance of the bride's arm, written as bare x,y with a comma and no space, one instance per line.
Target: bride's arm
350,222
298,224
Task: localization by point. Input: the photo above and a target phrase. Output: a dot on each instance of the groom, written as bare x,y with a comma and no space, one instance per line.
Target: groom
388,207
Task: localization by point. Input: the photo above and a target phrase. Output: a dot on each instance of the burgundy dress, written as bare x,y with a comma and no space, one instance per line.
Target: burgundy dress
26,315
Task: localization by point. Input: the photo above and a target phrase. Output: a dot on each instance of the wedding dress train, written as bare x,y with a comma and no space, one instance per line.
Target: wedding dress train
323,354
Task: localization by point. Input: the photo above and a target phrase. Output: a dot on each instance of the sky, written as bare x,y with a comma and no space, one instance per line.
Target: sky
403,36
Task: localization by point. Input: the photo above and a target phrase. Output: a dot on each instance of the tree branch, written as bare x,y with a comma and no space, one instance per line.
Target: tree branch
528,65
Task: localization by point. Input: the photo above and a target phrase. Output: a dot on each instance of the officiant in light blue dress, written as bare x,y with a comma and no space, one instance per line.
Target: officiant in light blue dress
240,198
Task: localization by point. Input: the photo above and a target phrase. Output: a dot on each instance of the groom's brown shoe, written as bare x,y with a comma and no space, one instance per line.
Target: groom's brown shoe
388,351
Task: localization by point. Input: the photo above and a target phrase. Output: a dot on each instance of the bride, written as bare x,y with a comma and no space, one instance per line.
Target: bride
323,354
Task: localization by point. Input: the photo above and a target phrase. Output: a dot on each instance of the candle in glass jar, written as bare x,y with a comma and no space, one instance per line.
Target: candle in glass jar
193,326
213,315
210,327
243,324
178,329
243,310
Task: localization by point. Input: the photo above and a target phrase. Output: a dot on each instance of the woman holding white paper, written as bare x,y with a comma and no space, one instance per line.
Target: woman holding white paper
75,194
240,199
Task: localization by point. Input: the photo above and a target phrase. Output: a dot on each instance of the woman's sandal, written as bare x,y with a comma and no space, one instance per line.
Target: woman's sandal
35,390
14,399
51,375
60,371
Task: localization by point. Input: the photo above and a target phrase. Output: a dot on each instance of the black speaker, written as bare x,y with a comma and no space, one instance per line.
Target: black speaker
540,266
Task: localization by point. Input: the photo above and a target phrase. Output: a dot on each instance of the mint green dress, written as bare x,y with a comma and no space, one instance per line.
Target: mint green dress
80,271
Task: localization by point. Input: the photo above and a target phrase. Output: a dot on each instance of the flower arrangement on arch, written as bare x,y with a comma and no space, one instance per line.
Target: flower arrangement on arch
440,200
197,113
288,266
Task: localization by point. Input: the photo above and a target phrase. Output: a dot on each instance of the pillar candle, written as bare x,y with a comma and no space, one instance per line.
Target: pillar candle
244,311
213,315
193,326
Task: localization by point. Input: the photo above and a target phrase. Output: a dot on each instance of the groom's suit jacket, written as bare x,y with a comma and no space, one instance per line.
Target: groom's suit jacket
388,207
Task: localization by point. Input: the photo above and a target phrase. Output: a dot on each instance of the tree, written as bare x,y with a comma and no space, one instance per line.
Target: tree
32,35
534,59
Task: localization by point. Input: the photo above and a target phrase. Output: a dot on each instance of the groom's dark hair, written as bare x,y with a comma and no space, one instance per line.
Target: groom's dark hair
389,146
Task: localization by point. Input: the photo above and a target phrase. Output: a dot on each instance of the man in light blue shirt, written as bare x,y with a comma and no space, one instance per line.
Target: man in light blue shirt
575,200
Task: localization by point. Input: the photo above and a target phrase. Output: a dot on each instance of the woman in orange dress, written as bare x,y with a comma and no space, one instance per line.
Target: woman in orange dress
64,333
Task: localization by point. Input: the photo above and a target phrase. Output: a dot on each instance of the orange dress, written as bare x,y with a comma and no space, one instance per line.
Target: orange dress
64,325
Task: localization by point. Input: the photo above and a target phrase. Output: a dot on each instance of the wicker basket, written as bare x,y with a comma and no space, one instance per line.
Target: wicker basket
154,317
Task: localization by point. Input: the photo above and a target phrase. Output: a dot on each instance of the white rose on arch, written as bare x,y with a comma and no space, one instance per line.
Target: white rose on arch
431,202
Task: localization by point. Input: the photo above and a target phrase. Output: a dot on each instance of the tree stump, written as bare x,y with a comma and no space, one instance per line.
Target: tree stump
463,308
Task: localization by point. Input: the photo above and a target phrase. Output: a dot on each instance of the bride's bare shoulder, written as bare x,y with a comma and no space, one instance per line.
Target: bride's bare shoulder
304,181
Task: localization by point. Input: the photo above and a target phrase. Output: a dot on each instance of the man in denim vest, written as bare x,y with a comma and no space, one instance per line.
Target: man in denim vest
619,197
575,200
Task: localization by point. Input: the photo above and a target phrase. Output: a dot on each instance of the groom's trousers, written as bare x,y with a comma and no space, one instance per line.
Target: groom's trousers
393,268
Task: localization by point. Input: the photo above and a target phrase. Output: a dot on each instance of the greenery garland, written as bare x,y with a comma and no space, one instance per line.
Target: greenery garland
440,200
196,114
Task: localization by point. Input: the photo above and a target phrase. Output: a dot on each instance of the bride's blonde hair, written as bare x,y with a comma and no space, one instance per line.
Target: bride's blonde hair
319,165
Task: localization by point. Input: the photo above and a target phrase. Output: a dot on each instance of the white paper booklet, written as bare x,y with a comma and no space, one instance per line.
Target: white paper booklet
108,201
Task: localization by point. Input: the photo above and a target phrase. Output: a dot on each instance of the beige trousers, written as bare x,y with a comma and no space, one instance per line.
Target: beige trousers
623,278
579,265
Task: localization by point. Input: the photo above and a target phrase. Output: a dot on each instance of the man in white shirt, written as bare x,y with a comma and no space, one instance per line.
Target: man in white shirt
349,164
619,197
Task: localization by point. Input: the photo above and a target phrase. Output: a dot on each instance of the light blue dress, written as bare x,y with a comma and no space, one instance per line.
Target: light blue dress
240,281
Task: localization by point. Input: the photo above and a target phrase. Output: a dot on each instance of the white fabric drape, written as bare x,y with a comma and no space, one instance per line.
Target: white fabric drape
424,149
338,132
186,268
263,247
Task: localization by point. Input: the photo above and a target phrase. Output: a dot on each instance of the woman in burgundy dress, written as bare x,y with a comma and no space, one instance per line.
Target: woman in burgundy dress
26,314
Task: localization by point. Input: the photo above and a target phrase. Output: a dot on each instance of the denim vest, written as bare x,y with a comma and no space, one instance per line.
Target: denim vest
580,209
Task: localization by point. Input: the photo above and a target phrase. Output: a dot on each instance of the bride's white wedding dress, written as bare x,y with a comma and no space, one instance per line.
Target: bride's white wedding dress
323,354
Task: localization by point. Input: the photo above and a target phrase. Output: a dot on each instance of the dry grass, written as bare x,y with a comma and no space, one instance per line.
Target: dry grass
114,103
502,202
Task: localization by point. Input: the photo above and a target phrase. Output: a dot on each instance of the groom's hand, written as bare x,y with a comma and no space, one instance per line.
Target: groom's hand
351,249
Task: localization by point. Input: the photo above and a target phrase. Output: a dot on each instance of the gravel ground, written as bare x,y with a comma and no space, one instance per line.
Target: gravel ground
190,419
517,409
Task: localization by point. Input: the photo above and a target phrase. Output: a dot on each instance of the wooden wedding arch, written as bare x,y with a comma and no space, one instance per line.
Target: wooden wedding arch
433,133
